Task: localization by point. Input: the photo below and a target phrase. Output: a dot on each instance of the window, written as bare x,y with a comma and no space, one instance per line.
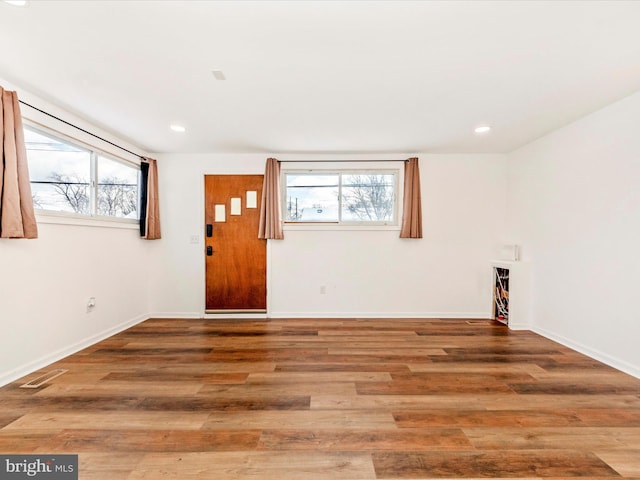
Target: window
59,173
117,189
347,197
72,179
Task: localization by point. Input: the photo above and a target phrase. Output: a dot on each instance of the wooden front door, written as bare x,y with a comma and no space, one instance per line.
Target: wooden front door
236,260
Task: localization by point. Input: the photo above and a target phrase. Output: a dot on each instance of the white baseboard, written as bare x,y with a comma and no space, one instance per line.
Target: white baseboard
519,326
42,362
431,315
211,316
614,362
427,315
176,315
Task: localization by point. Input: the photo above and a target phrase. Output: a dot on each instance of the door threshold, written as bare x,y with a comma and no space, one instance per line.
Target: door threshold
237,310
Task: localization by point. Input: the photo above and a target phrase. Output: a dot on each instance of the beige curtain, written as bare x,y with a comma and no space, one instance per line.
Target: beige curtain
150,205
412,204
17,218
271,206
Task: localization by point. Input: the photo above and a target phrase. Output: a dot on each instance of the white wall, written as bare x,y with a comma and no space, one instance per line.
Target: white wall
574,206
176,281
366,273
45,283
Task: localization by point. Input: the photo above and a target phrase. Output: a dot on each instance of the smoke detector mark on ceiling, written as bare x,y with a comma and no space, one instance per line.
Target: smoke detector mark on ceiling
218,74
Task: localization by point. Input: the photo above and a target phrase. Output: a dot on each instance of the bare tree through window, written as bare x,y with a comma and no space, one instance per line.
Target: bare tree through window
71,190
341,197
368,197
116,197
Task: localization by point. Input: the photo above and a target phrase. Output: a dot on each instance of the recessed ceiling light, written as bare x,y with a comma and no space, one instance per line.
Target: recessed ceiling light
178,128
482,129
218,74
17,3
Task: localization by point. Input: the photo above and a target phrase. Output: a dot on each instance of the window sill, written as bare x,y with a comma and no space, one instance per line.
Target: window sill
60,219
334,227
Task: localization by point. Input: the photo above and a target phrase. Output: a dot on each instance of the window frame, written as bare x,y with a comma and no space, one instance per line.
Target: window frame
91,219
340,224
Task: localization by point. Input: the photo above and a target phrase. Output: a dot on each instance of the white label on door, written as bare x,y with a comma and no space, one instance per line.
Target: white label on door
236,206
220,213
252,199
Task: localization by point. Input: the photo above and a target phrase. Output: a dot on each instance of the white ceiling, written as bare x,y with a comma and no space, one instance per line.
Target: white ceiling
326,76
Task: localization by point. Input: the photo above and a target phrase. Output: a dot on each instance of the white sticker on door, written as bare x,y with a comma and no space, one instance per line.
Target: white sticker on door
220,213
252,199
236,206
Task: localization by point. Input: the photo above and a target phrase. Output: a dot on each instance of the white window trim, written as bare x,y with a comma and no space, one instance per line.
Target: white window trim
318,226
61,218
70,218
349,168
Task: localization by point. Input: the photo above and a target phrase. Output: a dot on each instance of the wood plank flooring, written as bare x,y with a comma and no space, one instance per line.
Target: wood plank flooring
329,399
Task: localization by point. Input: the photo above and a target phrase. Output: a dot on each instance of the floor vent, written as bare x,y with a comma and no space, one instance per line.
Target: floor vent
479,322
44,378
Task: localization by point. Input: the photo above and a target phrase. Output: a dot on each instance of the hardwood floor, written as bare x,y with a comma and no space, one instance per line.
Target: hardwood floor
329,399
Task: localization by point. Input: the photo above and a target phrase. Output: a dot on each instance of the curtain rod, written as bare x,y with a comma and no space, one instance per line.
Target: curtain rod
83,130
340,161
